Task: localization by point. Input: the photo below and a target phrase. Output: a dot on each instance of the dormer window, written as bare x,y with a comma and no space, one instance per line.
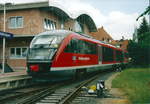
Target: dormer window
49,24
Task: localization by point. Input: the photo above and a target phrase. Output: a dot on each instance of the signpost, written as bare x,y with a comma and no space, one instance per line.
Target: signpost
4,35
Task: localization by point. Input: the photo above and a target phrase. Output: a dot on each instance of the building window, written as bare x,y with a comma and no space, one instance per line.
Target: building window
49,24
17,52
78,27
62,25
16,22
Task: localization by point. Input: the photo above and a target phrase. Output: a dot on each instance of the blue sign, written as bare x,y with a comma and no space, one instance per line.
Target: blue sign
6,35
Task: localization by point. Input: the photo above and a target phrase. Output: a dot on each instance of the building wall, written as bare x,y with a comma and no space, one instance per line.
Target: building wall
33,23
86,30
15,63
102,35
68,25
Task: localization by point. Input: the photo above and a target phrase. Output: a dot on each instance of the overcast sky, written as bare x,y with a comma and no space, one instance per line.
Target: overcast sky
116,16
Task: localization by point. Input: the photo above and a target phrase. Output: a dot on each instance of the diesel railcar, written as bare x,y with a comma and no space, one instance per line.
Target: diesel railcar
63,54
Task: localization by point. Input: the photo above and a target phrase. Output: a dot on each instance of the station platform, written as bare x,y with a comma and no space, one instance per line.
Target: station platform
14,79
12,74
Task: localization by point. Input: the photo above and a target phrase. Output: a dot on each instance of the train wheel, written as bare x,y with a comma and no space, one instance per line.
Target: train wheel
119,69
114,68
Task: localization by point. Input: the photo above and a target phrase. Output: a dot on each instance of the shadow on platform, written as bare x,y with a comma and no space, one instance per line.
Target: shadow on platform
7,68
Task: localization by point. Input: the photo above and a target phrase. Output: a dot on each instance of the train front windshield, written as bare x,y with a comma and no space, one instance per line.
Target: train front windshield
43,47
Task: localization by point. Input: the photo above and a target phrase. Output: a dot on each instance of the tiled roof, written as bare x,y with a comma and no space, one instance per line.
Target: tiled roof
101,34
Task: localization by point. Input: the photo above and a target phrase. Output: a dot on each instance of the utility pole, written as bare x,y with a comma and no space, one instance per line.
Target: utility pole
4,29
4,38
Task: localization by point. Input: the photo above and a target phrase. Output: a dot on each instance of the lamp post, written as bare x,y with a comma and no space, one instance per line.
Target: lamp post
4,40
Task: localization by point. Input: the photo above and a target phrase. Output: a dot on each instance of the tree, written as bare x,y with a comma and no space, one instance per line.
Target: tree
140,52
147,11
144,27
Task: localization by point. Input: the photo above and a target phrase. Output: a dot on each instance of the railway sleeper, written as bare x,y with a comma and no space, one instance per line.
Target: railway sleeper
45,103
49,101
54,98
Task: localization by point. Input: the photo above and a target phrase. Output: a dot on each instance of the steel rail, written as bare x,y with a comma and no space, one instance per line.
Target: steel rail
3,99
69,98
37,96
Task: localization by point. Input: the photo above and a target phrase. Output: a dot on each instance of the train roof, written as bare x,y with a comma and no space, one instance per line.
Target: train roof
65,33
56,32
90,38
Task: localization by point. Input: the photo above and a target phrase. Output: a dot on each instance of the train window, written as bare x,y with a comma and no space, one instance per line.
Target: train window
126,55
107,54
119,56
46,41
80,46
72,46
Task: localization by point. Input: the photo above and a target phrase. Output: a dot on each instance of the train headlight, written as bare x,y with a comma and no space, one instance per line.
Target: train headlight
34,68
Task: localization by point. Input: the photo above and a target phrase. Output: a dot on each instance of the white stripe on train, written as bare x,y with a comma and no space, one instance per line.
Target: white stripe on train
81,67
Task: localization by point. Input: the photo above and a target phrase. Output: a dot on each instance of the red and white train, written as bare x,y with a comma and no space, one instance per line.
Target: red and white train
63,54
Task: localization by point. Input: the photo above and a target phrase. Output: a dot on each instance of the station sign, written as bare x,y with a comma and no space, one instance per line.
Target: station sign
6,35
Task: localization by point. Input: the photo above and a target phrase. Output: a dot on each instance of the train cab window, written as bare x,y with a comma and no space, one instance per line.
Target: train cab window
43,47
46,41
107,54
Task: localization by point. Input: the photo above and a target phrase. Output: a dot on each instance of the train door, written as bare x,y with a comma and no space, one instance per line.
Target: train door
100,54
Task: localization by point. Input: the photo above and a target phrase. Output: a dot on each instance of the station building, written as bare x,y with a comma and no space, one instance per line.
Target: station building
27,20
102,35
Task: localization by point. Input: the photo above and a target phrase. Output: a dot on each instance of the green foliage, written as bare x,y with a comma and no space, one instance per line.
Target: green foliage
144,27
140,52
147,11
135,82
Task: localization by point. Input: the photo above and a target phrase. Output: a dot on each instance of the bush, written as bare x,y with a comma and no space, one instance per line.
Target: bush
140,52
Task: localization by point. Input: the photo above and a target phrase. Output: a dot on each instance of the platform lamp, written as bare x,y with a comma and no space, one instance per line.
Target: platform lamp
4,29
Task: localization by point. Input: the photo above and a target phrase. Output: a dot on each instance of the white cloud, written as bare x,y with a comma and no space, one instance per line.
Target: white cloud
117,23
120,24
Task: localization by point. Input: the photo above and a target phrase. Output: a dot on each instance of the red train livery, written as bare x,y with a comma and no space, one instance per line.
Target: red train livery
62,54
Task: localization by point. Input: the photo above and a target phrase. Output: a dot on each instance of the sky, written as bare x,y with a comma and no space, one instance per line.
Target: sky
118,17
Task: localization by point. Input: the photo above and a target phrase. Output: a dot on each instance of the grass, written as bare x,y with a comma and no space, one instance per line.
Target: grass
135,82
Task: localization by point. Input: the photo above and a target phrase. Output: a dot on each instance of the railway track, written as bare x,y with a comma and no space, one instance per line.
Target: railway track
66,94
58,93
12,94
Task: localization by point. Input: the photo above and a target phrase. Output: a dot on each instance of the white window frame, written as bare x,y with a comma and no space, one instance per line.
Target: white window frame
15,27
62,24
15,56
50,25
